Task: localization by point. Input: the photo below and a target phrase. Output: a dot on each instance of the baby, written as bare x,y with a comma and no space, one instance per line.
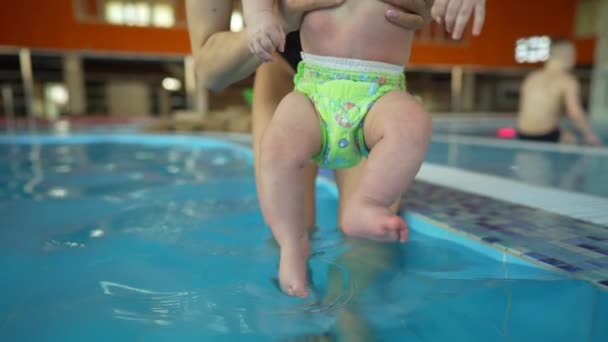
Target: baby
349,103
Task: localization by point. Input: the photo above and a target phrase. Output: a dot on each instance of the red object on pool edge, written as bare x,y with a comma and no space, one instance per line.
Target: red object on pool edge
506,133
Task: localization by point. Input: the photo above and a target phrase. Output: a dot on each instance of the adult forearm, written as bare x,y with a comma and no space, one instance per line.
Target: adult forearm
224,59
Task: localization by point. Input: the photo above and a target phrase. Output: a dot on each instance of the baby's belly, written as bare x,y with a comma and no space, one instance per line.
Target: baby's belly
358,29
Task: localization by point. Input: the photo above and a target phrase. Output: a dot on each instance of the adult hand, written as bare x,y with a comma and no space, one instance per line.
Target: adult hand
409,14
291,11
456,14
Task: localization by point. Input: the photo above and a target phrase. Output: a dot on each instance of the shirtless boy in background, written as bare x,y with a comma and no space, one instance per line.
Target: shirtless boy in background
349,100
543,95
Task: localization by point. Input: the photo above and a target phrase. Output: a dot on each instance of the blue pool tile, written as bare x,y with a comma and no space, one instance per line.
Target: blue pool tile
589,247
599,263
596,275
569,268
535,255
552,261
586,266
513,235
596,249
576,241
572,245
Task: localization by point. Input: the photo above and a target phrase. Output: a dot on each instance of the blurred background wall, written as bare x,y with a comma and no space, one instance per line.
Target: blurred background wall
120,57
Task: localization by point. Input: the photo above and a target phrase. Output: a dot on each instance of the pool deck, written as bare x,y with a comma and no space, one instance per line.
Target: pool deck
561,243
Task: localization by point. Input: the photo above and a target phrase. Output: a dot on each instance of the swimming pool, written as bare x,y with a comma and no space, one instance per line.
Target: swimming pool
582,171
160,238
488,126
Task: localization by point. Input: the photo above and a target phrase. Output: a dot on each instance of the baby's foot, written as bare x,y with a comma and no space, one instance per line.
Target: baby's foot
373,221
293,267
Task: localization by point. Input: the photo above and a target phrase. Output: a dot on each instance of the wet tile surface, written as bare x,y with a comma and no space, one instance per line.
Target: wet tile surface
554,241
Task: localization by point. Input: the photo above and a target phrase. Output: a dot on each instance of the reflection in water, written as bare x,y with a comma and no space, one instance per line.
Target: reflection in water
237,306
58,192
574,177
62,169
53,245
96,233
82,170
166,222
534,168
574,171
160,308
36,170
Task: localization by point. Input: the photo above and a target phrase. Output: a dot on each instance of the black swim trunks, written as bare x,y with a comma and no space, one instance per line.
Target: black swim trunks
293,48
554,136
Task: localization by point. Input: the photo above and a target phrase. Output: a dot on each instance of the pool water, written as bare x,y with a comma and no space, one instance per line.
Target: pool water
570,171
488,127
161,238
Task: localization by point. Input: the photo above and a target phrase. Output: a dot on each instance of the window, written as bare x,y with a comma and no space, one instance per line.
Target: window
532,49
140,13
155,13
237,22
163,16
134,14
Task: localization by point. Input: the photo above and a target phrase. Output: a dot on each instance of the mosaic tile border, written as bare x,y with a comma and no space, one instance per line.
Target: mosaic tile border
564,244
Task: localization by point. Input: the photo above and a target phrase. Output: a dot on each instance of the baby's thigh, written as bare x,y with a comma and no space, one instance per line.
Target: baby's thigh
294,127
397,115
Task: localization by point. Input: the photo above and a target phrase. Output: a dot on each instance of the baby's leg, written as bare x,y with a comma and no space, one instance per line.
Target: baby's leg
291,139
397,131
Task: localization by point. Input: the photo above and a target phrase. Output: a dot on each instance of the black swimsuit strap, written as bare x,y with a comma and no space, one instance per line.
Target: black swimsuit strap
293,47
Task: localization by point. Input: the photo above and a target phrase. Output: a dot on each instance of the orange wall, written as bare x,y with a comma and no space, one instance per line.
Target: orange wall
506,21
50,24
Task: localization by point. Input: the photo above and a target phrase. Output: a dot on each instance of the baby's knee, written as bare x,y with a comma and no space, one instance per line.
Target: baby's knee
409,118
